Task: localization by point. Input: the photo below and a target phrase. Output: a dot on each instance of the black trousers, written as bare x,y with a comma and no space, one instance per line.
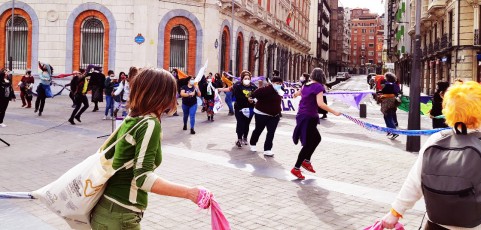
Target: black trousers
321,111
263,121
312,141
432,226
79,100
243,122
72,97
3,107
41,96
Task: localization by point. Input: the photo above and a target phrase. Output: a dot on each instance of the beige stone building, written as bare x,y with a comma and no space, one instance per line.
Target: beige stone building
451,46
184,34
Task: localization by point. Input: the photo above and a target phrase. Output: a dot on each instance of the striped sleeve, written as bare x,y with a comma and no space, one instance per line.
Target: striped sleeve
147,138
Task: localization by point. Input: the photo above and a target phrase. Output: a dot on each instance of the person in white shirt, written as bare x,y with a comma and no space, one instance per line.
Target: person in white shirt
462,103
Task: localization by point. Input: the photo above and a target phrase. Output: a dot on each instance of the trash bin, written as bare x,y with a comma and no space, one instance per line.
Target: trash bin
363,110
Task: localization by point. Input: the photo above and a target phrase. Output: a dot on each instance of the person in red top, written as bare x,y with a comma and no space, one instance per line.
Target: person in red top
267,113
25,86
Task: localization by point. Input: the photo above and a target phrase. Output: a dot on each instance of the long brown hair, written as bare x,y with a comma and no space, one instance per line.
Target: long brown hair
133,71
152,91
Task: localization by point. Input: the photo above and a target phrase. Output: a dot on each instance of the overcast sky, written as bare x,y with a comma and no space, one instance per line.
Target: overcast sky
374,5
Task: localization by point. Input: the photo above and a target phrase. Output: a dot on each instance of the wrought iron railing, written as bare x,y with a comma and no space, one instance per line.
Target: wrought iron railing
436,45
444,41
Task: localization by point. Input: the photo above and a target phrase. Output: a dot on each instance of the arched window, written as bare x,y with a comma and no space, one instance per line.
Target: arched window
261,58
17,42
178,48
252,55
92,43
239,54
225,50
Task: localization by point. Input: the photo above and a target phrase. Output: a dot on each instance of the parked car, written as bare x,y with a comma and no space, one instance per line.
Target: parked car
344,75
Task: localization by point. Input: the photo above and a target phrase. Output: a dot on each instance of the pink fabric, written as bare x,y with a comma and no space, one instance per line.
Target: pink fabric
206,199
378,226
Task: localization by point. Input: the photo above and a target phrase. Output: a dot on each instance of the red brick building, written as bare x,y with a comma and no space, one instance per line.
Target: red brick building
366,41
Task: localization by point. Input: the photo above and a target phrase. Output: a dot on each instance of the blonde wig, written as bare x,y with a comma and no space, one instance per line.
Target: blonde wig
462,103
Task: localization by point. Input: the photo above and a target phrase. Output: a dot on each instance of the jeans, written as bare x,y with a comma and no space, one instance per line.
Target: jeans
263,121
389,118
228,101
79,100
109,100
312,141
189,111
243,122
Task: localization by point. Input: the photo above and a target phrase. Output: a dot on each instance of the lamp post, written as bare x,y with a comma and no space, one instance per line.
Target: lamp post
231,67
10,58
413,143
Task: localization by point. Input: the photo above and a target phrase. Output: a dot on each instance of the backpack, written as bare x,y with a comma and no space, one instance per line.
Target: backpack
451,179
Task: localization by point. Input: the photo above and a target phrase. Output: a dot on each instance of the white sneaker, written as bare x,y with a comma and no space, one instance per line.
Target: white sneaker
268,153
3,125
253,148
104,118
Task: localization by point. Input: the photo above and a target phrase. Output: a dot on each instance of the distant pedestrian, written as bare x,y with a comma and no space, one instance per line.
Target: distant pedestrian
209,93
124,89
228,82
189,94
125,198
43,89
267,114
6,95
96,84
73,85
80,98
307,120
26,85
110,82
437,109
389,102
243,106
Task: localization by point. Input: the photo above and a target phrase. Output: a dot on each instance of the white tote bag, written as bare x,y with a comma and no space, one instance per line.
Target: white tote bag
75,193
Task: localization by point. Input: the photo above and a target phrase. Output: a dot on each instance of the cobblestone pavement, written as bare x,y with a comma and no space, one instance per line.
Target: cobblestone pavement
358,172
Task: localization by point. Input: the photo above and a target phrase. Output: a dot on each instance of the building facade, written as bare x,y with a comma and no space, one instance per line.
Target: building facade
343,40
333,36
319,31
367,37
399,43
168,34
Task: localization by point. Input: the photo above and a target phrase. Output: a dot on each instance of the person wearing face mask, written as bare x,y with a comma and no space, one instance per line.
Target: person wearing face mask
228,81
109,99
267,114
189,94
243,107
208,92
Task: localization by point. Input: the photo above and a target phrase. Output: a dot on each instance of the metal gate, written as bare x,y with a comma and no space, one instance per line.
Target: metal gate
92,43
178,48
19,42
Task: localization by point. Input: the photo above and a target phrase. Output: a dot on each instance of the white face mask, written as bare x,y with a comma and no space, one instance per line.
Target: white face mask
192,82
246,82
302,79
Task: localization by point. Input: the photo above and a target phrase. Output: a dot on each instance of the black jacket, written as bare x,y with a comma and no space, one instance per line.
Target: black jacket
6,90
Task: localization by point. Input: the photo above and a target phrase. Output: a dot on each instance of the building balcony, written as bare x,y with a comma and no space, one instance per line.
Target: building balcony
325,46
436,45
444,41
437,7
430,49
325,31
477,41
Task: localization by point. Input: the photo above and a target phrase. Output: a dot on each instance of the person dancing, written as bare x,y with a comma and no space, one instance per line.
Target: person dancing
307,120
26,88
43,89
189,94
208,92
80,98
6,95
267,111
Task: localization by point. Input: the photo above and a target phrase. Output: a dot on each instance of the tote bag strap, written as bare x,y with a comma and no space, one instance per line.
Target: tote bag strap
123,136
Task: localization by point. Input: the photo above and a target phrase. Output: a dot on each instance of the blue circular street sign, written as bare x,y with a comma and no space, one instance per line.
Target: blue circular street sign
139,39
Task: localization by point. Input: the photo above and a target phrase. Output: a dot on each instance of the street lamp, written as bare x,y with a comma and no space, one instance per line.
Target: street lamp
413,143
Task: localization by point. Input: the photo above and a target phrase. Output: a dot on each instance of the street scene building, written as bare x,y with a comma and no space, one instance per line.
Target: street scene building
449,40
169,34
319,33
367,37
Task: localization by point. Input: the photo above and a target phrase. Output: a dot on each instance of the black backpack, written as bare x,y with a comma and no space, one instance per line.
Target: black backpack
451,179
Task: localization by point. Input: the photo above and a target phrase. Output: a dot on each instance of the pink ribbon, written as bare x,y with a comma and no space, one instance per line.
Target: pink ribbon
206,199
378,226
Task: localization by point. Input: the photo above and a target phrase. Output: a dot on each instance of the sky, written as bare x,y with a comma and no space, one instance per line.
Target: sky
374,5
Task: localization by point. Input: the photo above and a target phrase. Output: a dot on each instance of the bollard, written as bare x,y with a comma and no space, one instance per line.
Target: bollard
363,110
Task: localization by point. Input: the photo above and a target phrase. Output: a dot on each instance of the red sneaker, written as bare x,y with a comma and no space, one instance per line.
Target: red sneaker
297,173
308,167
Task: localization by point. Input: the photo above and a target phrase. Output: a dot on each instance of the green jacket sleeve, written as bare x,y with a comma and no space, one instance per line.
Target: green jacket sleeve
147,138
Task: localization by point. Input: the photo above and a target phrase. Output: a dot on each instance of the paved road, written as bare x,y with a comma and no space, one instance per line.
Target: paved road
358,172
